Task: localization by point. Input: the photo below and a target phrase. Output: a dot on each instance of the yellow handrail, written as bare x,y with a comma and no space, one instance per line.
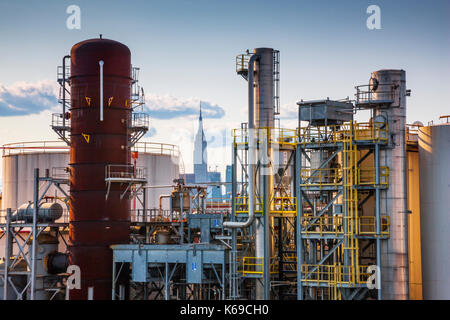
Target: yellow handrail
255,265
364,131
284,205
241,205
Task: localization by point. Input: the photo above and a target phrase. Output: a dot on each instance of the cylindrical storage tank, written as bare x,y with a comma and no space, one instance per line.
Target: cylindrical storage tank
48,211
394,251
97,222
161,162
20,160
434,157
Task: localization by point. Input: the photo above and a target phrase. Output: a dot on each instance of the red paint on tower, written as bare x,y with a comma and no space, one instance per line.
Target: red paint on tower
97,222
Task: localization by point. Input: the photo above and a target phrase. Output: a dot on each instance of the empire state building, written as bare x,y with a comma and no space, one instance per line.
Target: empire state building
200,153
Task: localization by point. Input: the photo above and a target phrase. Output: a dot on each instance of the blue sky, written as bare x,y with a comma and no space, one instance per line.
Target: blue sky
186,52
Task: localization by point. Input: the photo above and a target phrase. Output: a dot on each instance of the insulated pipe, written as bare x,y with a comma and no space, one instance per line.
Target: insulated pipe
101,89
251,150
160,201
64,92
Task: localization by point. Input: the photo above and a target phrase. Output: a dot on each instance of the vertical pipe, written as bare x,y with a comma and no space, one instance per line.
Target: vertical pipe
121,292
298,193
64,94
166,282
395,280
264,119
34,232
113,297
90,293
181,218
7,254
223,277
101,89
251,150
266,229
280,250
377,215
233,281
144,204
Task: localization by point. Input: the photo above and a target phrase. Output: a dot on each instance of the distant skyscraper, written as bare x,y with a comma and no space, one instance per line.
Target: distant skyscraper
201,173
215,192
200,154
228,178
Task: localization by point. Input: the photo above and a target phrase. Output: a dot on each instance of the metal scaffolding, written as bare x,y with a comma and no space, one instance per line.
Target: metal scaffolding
337,238
21,252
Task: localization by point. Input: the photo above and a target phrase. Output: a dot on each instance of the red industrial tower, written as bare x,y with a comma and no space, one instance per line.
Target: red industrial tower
100,111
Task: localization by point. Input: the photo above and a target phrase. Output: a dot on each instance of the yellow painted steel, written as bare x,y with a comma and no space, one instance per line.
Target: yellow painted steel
367,226
414,245
348,224
284,206
332,177
281,206
335,274
275,136
242,62
321,177
322,225
241,205
350,201
255,266
349,131
366,176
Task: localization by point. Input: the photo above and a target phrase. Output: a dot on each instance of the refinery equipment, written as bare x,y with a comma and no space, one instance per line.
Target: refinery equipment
327,210
181,255
434,155
100,151
334,225
35,270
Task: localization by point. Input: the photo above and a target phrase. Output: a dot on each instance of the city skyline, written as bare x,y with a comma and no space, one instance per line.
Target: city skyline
186,53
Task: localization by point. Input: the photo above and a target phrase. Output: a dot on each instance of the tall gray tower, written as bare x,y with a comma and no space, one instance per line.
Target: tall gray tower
200,154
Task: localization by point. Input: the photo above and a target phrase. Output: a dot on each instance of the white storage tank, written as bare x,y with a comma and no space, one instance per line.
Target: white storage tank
162,164
434,159
19,160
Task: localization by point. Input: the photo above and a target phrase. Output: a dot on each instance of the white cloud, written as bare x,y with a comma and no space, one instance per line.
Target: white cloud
169,107
24,98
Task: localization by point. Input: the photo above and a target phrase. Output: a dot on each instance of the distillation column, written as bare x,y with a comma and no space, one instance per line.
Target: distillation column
391,85
100,77
264,119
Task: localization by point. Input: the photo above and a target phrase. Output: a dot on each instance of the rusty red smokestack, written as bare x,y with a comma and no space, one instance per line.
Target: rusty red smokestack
97,222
